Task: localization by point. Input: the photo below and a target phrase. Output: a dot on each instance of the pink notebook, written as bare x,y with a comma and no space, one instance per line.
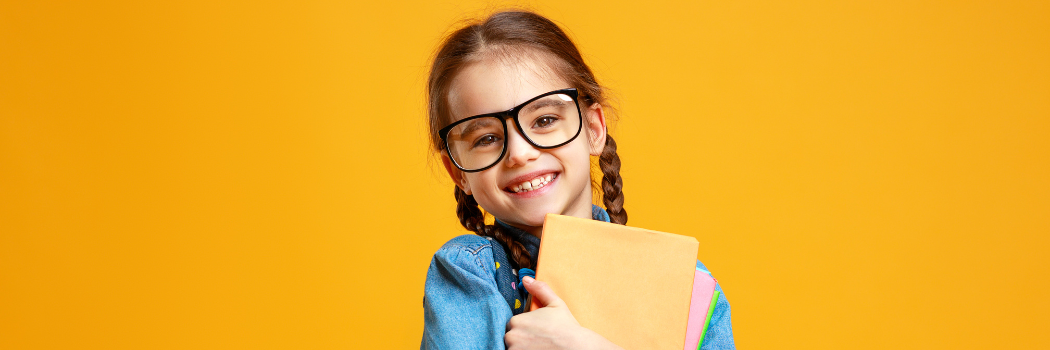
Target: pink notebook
703,293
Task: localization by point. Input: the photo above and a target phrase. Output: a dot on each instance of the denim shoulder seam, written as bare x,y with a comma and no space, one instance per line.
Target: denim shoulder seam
471,244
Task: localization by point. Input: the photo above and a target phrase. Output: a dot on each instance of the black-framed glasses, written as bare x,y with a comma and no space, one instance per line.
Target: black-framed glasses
546,121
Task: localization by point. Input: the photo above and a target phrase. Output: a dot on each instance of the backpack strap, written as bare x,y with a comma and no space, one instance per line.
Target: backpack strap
506,274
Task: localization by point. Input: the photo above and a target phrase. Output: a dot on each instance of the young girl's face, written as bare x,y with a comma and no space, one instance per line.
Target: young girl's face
496,85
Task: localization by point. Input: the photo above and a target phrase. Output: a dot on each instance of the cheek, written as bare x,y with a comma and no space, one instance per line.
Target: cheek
481,183
578,160
582,150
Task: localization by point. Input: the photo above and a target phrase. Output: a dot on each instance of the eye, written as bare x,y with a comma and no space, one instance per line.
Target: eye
545,121
486,140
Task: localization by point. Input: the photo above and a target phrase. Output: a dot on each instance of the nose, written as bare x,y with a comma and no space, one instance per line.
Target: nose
519,151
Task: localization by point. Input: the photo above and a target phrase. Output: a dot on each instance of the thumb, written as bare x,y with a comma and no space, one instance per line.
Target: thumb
542,294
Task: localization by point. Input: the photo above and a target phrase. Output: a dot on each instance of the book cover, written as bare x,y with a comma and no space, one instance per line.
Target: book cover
699,307
631,285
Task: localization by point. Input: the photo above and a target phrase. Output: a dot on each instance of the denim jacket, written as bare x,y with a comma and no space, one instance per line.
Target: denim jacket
463,307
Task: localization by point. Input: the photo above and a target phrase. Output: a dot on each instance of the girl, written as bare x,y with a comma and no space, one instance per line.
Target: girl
516,116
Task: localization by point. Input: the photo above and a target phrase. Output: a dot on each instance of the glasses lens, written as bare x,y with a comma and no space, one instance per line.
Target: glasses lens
551,120
477,143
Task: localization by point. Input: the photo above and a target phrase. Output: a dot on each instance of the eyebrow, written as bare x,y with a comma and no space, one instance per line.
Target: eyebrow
474,125
545,102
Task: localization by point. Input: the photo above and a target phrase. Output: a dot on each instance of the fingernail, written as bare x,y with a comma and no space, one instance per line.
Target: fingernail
527,280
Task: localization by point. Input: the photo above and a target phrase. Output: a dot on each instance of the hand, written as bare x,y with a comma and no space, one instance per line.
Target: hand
551,326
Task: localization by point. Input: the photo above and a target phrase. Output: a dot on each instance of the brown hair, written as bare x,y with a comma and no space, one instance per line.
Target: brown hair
510,33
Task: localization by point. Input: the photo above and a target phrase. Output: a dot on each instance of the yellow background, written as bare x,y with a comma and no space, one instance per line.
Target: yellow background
191,174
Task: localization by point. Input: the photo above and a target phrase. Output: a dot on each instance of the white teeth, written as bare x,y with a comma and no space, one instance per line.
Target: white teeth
533,184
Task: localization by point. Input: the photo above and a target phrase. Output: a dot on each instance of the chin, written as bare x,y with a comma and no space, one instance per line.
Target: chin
534,220
535,217
530,217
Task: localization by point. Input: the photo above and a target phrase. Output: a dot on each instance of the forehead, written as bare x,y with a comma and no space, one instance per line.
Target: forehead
497,84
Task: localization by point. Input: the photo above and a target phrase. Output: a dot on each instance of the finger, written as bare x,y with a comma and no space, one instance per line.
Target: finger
513,322
515,337
542,294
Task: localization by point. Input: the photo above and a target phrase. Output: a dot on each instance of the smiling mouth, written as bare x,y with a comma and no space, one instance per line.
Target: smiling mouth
532,185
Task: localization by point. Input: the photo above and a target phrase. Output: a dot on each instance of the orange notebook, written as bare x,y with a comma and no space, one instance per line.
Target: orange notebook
633,286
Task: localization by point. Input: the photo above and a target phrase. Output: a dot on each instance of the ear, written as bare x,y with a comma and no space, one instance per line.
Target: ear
455,174
594,123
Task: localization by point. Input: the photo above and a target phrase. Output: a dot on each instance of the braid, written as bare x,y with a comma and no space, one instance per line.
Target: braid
612,183
471,217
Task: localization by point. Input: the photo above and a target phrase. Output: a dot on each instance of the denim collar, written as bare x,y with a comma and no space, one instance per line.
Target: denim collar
532,243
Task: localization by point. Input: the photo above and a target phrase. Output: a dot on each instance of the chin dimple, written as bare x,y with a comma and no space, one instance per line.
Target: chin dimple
533,184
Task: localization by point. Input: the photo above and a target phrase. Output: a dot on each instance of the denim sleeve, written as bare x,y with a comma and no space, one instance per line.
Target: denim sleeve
462,307
720,330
